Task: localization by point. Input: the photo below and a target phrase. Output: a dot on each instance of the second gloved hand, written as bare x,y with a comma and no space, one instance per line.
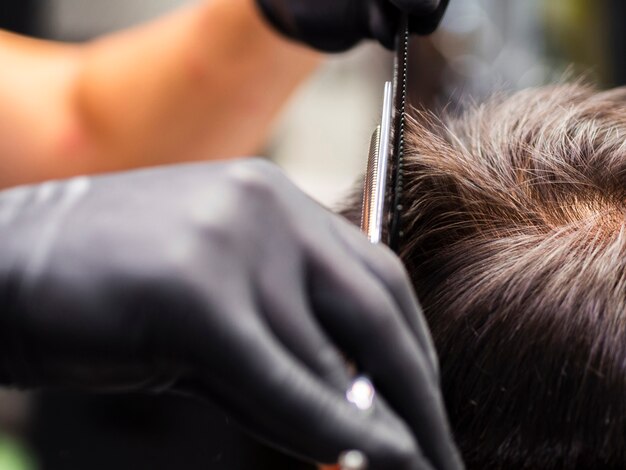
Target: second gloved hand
227,282
337,25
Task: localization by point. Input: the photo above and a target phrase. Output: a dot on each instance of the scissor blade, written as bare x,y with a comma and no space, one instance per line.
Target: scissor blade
375,190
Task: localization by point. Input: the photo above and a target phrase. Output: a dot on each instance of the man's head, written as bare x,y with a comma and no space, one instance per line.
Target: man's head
515,237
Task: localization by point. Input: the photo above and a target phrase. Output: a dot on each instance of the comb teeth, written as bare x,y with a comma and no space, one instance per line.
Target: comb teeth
370,189
401,92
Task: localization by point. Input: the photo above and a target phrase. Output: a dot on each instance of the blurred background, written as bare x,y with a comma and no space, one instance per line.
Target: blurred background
321,140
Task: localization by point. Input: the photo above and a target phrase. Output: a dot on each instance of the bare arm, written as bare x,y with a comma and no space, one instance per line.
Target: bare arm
201,83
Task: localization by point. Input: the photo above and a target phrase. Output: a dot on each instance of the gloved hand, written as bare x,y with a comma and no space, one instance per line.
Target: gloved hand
337,25
227,282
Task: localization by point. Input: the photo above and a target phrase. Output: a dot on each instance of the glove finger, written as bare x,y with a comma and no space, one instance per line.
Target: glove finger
383,21
358,310
388,269
425,24
293,324
269,392
384,18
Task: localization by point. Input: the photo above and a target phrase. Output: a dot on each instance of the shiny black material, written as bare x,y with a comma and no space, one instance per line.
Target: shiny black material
226,282
337,25
19,16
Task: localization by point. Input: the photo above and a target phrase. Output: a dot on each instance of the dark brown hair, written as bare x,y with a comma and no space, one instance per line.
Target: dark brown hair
515,221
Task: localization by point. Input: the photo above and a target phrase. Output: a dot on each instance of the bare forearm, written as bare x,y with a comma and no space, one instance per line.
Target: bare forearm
202,83
37,118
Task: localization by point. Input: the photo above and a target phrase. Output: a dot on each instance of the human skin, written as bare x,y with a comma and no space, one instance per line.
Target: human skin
201,83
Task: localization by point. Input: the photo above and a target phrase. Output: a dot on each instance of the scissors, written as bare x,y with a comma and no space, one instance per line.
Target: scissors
381,218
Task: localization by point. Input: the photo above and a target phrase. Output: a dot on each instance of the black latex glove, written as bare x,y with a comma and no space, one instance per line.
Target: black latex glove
227,281
337,25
